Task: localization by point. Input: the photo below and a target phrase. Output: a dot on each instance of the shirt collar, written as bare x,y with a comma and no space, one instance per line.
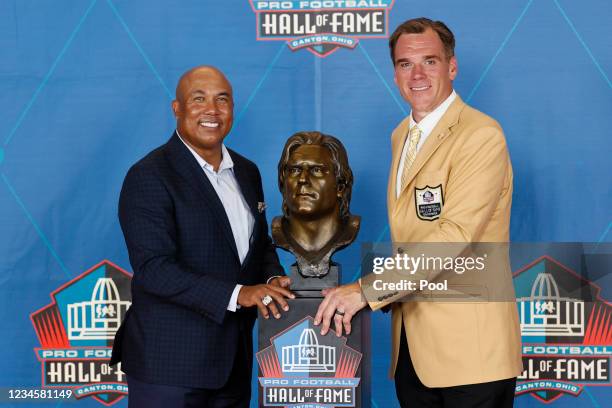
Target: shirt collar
429,122
226,159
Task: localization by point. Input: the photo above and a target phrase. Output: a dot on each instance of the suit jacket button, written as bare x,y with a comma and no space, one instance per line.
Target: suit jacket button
380,298
400,250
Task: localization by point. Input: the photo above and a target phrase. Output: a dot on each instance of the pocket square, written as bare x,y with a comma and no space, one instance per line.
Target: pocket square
261,206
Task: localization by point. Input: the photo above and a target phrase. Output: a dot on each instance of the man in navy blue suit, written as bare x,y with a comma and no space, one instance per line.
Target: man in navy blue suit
192,213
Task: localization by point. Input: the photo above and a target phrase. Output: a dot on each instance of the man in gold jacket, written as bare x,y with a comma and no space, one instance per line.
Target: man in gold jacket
450,182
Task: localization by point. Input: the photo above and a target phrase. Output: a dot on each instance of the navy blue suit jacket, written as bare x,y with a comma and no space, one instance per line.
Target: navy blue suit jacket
183,254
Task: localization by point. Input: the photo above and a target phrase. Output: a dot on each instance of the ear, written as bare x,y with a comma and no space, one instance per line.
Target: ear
176,108
452,68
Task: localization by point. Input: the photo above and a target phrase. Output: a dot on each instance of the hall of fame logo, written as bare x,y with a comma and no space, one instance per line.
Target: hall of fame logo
302,369
76,333
566,331
429,202
322,27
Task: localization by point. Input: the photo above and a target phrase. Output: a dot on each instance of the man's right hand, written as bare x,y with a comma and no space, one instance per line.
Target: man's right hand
253,296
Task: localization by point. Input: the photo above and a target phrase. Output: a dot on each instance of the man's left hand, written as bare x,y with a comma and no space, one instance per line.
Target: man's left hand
340,304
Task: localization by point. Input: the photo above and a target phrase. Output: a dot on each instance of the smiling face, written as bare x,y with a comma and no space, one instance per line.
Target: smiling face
423,73
203,109
310,188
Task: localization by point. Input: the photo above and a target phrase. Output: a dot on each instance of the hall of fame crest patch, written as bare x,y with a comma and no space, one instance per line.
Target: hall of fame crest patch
429,202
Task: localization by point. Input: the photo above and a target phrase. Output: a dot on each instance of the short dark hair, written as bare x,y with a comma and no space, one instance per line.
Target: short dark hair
342,170
418,26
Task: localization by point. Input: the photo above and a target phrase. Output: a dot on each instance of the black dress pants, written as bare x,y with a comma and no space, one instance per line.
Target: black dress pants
411,392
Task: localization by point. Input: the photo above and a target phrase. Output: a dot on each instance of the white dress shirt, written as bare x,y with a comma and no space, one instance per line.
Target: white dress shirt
237,210
426,125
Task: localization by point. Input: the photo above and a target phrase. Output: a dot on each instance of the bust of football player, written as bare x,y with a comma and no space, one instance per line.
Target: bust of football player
315,180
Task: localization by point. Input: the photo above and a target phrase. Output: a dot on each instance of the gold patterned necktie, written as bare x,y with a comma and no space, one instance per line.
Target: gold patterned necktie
413,141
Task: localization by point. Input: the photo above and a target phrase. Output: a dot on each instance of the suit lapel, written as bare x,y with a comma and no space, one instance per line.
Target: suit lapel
397,144
247,188
435,139
187,166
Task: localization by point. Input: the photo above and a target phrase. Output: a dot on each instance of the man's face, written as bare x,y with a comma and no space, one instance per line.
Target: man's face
423,73
204,108
310,184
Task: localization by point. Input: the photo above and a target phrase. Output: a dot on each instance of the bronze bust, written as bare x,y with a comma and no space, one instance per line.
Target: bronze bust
315,180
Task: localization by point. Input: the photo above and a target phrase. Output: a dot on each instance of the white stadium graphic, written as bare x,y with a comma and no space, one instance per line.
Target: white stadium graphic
545,313
100,317
309,356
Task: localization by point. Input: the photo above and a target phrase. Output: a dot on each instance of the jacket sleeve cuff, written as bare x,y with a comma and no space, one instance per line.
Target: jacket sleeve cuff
233,303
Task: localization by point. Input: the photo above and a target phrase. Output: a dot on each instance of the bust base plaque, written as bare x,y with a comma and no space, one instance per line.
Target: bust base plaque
299,367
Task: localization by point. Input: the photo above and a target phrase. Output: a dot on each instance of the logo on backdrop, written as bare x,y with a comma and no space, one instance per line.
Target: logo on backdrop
76,333
303,369
322,27
566,331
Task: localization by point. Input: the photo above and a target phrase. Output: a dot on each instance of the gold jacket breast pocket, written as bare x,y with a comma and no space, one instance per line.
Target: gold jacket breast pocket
429,195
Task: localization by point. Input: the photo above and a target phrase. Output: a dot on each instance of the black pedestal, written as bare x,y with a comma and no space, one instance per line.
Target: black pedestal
300,368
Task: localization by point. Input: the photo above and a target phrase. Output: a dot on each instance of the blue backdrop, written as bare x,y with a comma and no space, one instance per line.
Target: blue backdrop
85,91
